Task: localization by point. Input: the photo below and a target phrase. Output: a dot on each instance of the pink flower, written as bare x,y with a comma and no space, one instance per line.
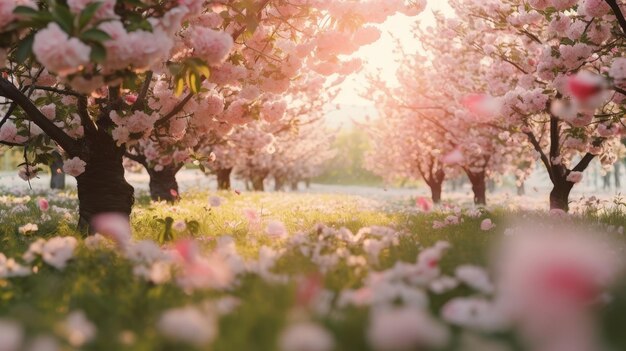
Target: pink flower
74,166
199,271
453,157
58,52
43,204
551,279
273,111
482,106
424,204
595,8
252,215
130,98
212,45
106,10
575,177
49,111
215,201
115,226
584,86
276,230
486,224
405,328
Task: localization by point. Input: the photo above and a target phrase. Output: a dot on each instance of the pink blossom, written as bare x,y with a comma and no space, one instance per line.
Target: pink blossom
273,111
595,8
8,6
115,226
212,45
201,272
424,204
405,328
276,230
43,204
58,52
453,157
585,86
49,111
575,177
487,224
74,166
106,10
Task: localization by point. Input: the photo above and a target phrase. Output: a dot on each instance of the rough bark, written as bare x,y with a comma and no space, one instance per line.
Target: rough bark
102,188
479,187
435,191
258,182
57,177
559,196
223,178
279,183
163,184
521,189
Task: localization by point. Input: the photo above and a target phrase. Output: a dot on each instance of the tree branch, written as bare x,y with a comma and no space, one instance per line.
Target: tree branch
85,119
174,111
141,98
618,14
137,158
10,91
546,162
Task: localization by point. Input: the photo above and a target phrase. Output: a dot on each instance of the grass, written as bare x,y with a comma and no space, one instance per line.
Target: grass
126,309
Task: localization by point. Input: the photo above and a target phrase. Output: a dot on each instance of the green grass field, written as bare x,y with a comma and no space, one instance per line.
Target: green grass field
252,312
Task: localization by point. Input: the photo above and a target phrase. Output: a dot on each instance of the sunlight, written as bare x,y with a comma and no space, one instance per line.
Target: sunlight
380,56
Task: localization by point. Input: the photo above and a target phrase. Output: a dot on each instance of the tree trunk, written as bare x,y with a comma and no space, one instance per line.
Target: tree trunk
163,184
308,183
435,191
521,189
57,177
258,183
279,183
102,188
478,187
223,178
617,173
294,185
559,196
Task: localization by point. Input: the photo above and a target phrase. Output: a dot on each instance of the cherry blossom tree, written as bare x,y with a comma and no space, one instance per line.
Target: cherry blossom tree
452,126
93,78
403,149
566,61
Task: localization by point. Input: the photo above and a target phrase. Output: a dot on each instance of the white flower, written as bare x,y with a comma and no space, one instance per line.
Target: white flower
74,166
179,226
475,277
11,335
407,328
188,324
58,250
44,343
78,329
475,313
306,336
28,228
9,268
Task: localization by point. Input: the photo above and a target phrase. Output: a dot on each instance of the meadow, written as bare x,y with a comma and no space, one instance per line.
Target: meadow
274,271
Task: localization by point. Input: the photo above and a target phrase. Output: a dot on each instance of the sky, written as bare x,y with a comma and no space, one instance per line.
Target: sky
379,55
